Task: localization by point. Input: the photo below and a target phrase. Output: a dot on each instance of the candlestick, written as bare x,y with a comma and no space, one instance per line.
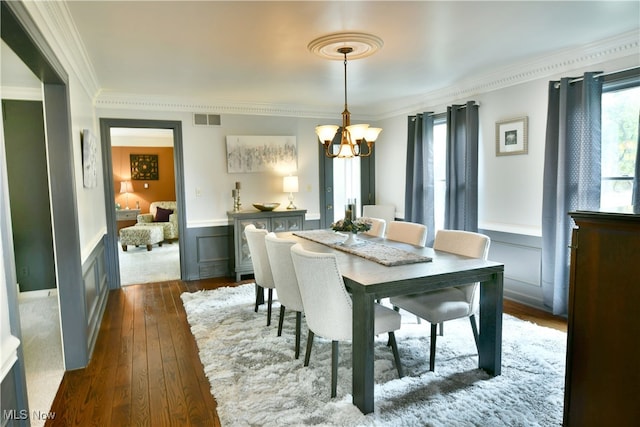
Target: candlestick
237,185
234,193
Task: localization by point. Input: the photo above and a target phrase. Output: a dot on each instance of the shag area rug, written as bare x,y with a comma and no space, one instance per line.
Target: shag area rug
257,381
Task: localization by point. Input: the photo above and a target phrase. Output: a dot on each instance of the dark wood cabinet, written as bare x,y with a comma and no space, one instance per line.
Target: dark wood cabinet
602,383
276,221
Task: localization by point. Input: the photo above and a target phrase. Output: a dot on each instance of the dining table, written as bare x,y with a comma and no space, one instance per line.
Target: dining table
416,269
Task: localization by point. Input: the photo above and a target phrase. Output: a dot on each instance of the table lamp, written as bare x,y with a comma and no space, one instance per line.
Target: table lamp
290,185
126,187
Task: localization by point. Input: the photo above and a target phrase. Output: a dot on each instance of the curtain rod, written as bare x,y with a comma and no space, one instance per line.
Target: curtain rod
603,74
431,113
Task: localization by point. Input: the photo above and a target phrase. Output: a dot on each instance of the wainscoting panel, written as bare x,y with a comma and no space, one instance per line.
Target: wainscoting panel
522,258
94,277
208,251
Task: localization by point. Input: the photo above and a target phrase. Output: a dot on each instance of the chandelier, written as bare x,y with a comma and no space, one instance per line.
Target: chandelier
355,140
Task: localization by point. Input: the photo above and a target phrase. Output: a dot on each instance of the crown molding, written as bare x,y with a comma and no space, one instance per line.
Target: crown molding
54,19
118,100
626,45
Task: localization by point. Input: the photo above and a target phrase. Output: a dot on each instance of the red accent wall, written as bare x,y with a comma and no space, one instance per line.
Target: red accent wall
162,189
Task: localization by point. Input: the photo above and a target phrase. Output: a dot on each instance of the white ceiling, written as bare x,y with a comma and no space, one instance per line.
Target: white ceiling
256,52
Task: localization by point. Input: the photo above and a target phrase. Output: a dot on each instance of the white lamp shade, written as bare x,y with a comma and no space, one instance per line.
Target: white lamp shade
290,184
372,134
126,187
346,151
357,132
326,132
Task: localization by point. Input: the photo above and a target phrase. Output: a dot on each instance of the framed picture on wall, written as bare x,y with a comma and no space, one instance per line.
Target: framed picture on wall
89,159
254,153
144,167
511,136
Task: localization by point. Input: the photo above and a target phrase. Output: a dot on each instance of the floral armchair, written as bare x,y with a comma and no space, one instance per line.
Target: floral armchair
161,214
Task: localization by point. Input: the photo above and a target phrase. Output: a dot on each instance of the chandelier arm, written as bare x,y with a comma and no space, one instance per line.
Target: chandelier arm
369,146
327,150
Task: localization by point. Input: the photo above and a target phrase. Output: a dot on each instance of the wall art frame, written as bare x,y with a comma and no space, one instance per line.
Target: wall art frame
254,153
144,167
89,159
512,136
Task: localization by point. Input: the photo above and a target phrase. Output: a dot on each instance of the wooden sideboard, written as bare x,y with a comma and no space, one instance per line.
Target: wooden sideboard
602,383
276,221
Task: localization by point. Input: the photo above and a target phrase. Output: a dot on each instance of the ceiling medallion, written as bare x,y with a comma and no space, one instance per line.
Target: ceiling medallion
362,45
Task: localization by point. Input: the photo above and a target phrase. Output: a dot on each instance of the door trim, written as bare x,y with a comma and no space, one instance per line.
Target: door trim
111,239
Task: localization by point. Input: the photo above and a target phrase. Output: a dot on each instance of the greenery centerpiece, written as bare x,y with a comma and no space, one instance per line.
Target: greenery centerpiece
352,226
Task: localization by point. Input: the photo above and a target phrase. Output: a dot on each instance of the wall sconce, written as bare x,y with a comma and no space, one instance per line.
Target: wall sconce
290,185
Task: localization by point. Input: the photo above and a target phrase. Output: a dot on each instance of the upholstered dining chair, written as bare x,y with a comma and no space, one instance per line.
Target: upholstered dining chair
407,232
284,277
261,267
378,226
328,306
442,305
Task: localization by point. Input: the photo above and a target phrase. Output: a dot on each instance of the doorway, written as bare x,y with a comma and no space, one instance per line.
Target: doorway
139,192
344,179
22,37
109,129
28,182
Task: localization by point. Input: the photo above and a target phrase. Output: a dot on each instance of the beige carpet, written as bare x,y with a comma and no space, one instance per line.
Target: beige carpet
42,346
137,265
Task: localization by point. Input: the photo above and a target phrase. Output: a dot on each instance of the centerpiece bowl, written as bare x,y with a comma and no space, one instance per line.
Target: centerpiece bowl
265,207
353,227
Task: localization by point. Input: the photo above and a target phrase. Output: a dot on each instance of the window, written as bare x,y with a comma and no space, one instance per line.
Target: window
346,185
620,116
439,170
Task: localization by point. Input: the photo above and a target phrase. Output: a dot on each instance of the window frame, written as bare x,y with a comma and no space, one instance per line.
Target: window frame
616,82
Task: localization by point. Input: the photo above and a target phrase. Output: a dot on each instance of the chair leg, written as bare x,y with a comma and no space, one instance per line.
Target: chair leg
298,323
269,306
396,356
474,327
432,355
281,320
441,329
334,368
307,355
259,296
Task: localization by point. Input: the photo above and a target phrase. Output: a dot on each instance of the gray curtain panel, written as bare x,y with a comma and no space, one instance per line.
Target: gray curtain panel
572,176
419,188
461,204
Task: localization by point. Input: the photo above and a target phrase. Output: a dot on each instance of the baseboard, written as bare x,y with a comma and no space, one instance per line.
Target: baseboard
40,293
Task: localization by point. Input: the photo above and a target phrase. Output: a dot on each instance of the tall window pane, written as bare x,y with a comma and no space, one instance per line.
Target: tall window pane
620,112
439,171
346,185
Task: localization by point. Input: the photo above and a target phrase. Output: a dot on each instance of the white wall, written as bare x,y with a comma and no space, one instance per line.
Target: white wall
205,167
91,207
510,187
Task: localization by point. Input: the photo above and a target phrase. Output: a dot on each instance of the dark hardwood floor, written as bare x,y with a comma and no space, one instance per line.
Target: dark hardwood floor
145,369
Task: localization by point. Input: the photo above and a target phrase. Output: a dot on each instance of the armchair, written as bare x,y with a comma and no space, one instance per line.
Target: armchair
157,218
